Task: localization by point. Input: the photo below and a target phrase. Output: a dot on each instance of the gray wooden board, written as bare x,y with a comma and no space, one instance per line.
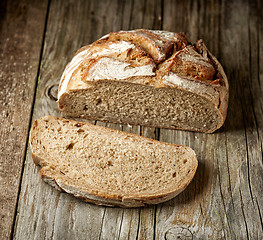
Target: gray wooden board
19,59
224,201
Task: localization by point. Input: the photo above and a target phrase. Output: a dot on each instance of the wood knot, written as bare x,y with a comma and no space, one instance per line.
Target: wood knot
52,92
178,233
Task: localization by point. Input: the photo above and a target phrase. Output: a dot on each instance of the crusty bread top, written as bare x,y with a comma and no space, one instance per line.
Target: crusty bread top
109,164
152,57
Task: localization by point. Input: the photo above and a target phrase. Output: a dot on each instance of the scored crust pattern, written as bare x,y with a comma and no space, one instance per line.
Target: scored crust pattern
127,54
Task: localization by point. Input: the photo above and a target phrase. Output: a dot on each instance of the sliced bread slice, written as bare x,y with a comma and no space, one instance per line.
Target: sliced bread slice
109,167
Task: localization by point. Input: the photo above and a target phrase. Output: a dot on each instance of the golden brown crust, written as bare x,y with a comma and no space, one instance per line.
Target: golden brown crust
189,63
186,60
158,44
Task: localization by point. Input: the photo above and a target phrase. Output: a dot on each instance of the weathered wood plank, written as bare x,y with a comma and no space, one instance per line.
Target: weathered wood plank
19,59
227,191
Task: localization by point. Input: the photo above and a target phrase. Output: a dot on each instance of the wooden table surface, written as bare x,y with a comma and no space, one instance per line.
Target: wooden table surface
225,199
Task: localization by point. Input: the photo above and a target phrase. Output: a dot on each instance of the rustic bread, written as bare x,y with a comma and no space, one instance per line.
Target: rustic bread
109,167
145,77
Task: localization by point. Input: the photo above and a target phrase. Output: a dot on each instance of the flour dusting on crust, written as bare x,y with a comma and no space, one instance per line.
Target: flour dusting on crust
204,89
105,50
108,68
71,67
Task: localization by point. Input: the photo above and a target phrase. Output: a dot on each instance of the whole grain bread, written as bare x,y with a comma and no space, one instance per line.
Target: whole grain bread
109,167
146,77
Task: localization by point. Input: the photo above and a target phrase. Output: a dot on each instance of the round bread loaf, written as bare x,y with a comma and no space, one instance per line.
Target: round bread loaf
145,77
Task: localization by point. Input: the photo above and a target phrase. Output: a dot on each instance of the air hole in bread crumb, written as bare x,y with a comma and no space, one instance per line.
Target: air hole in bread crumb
78,124
174,174
185,161
110,163
98,101
70,146
59,129
80,130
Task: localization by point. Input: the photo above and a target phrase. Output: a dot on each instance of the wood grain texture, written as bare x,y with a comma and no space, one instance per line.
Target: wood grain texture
19,59
225,199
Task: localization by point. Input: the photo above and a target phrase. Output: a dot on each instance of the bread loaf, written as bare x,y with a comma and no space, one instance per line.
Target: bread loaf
109,167
144,77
